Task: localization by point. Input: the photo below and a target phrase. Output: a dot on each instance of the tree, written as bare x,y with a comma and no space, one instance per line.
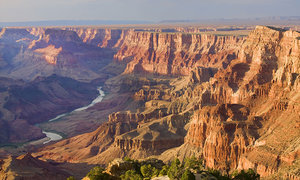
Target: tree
97,173
193,163
187,175
175,170
148,171
217,174
250,174
164,170
131,175
71,178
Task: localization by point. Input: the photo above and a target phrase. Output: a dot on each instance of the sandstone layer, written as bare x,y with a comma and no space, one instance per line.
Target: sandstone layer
238,108
176,53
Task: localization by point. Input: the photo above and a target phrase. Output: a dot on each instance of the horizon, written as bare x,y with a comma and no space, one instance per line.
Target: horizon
268,20
143,10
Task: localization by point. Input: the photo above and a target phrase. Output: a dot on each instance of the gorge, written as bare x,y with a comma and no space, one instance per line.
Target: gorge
231,99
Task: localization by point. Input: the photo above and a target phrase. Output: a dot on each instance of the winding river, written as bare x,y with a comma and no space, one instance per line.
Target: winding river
55,137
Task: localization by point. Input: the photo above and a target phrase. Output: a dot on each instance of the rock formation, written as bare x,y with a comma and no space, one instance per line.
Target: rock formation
176,53
232,100
238,111
27,167
25,104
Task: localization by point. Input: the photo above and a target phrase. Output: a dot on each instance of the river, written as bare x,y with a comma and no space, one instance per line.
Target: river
52,136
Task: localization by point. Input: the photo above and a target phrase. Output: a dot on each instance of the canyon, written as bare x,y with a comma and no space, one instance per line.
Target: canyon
231,99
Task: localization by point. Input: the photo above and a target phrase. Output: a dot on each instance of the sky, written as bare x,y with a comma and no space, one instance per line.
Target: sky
149,10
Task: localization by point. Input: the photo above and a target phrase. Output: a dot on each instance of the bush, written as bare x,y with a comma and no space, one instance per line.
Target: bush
175,170
187,175
250,174
217,174
97,174
164,170
71,178
148,171
193,164
131,175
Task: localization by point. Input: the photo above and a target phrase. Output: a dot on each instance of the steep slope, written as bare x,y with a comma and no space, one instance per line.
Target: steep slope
176,53
238,111
25,104
105,38
27,167
264,80
32,52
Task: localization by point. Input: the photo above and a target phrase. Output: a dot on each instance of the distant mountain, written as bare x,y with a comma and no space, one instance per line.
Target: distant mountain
295,20
71,23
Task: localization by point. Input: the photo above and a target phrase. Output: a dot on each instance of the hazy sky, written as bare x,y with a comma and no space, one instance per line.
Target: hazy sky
153,10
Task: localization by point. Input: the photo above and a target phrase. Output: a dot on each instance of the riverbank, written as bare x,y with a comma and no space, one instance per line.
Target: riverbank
54,136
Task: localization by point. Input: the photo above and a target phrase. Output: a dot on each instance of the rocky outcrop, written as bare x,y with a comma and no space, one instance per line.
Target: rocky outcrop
27,167
238,108
177,53
28,53
105,38
264,80
223,133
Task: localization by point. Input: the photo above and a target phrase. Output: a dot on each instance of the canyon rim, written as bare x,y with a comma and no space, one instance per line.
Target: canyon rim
226,94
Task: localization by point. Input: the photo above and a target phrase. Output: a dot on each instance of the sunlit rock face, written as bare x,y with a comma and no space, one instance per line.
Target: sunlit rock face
175,54
235,102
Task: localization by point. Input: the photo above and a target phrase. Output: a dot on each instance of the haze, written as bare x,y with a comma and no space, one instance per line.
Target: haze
150,10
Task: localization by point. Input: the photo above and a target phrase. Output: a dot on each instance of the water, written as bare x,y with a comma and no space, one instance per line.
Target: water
97,100
55,137
52,136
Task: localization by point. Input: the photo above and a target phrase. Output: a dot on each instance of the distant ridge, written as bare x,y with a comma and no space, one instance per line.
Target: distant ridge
275,20
295,20
71,23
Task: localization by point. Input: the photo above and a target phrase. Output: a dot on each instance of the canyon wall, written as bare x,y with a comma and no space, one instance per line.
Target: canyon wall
239,109
235,101
264,80
176,53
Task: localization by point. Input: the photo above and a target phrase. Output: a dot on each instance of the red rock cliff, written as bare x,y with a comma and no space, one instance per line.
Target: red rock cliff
176,53
265,80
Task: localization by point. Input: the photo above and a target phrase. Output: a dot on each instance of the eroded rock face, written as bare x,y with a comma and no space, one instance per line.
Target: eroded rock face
175,54
223,132
28,53
27,167
264,79
25,104
239,110
105,38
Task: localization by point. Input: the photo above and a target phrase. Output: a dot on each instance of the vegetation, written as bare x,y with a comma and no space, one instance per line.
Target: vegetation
97,173
71,178
131,175
176,170
250,174
187,175
149,171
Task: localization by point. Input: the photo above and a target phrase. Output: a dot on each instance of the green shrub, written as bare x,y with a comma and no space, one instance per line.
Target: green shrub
175,170
250,174
164,170
97,173
71,178
148,171
193,163
187,175
131,175
217,174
